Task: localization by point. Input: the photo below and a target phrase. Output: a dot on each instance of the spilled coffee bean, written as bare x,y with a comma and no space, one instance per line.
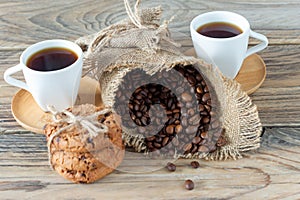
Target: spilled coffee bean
171,167
195,164
189,184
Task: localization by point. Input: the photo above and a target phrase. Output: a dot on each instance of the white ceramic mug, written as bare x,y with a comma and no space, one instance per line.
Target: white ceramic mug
227,53
58,88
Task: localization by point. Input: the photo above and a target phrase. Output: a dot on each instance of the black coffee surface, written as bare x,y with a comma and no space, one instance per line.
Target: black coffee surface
219,30
51,59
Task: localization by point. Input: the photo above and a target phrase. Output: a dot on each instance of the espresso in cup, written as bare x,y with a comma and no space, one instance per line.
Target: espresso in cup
219,30
52,70
221,38
51,59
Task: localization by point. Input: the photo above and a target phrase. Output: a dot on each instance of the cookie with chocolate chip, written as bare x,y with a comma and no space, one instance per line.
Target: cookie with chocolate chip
79,155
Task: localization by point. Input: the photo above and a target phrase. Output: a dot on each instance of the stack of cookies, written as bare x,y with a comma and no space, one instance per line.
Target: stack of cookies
78,155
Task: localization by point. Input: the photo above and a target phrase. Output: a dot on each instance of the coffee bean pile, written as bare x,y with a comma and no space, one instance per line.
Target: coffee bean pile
172,109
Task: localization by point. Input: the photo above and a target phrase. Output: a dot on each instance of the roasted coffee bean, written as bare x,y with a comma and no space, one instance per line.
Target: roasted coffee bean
179,90
186,97
203,149
152,138
199,89
195,164
157,145
170,129
175,142
203,113
204,135
149,144
205,120
207,107
201,108
191,80
187,147
194,149
158,139
189,105
176,115
190,69
221,142
196,140
138,122
206,97
136,107
184,122
171,167
209,102
194,120
139,114
145,120
165,141
191,111
192,130
189,184
215,124
199,77
178,128
141,129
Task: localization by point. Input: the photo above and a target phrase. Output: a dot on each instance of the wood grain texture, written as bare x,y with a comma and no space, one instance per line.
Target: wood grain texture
278,98
31,21
270,173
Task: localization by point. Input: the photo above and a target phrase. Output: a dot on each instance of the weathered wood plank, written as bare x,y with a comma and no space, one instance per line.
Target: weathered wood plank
278,99
274,174
24,23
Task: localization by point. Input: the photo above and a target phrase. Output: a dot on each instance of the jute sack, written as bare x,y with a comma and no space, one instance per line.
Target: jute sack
141,44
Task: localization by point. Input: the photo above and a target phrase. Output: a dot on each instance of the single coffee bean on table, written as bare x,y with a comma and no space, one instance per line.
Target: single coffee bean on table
172,110
189,184
171,167
195,164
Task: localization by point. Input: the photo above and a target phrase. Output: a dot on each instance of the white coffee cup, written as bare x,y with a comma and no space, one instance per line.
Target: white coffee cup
58,88
229,53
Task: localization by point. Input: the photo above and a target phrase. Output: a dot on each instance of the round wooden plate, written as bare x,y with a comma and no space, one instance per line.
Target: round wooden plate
251,75
29,115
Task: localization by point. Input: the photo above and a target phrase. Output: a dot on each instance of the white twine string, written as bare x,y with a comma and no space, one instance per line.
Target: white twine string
133,16
90,123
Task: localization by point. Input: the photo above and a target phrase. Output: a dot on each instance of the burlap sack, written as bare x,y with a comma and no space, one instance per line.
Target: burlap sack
140,42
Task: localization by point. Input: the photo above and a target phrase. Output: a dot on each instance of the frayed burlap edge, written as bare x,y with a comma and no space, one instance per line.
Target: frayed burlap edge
250,128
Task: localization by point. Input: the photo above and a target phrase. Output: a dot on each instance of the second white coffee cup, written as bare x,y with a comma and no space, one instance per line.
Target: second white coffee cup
58,88
227,53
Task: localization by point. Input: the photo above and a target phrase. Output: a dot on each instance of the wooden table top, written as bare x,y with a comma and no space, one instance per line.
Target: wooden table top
271,172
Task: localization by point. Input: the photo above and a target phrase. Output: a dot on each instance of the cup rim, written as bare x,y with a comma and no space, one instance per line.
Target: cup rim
37,46
193,30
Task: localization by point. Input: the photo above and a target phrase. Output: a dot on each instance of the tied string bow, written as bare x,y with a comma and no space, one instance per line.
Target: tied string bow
89,123
144,22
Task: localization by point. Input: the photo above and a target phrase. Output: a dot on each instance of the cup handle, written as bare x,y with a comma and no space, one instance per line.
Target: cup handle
258,47
12,81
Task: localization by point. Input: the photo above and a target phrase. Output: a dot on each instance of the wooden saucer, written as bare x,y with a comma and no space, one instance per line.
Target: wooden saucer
31,117
251,75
